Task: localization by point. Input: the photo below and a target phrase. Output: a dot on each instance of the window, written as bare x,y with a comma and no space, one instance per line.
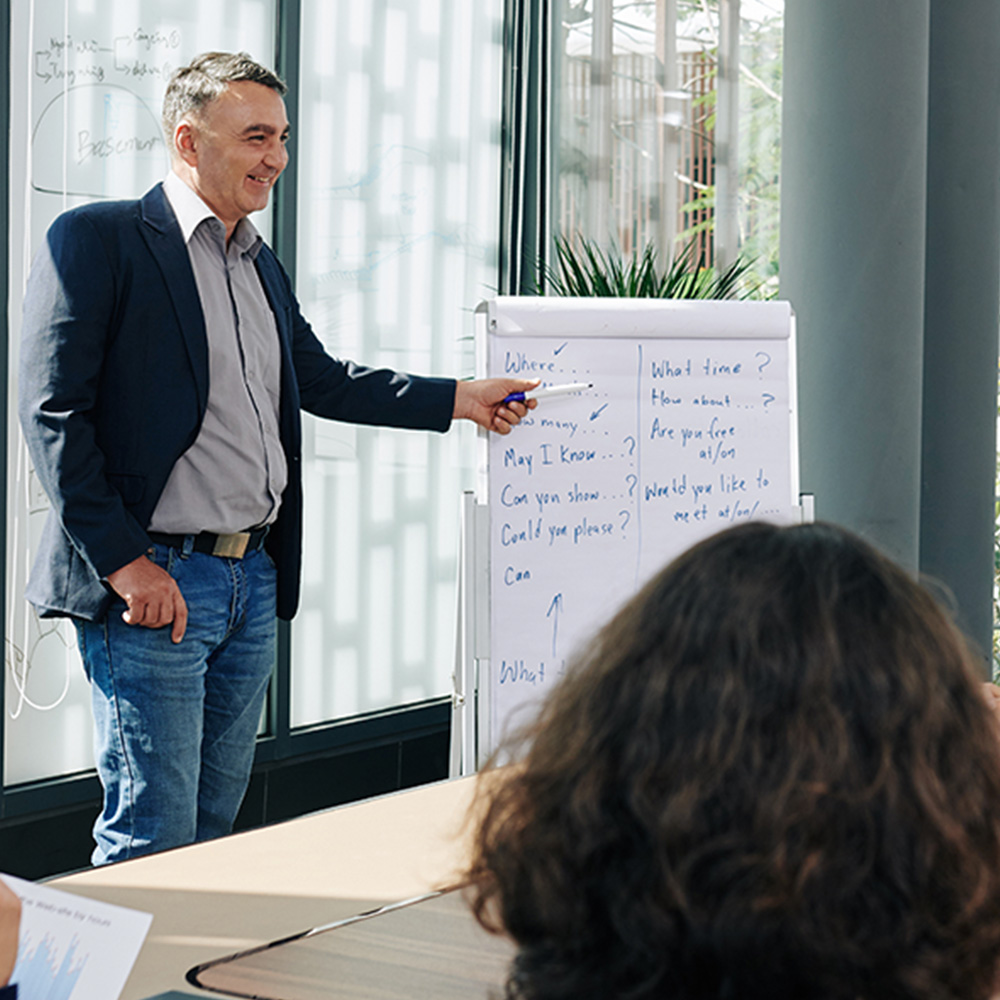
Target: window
397,243
396,238
668,119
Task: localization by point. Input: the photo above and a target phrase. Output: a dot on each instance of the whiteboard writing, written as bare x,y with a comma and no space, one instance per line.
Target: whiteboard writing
95,117
78,59
686,431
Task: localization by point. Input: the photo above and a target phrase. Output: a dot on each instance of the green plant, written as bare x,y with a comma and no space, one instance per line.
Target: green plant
583,268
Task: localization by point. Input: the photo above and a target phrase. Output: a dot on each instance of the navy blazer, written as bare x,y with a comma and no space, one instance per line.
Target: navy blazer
114,383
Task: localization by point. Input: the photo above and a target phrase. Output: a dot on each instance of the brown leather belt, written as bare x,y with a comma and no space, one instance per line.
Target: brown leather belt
234,546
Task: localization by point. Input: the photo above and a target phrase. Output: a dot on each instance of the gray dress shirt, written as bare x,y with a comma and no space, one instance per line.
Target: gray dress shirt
233,475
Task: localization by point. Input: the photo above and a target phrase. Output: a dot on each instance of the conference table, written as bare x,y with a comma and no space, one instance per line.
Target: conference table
239,894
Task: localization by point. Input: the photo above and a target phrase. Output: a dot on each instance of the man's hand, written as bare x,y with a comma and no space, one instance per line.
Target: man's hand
10,922
152,596
482,402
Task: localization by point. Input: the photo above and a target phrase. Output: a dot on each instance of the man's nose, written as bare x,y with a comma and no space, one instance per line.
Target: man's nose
277,157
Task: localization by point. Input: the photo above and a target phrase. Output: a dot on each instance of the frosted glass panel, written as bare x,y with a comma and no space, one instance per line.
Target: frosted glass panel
87,79
399,165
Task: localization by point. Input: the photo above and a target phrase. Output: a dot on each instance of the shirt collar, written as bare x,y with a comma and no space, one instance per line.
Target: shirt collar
191,211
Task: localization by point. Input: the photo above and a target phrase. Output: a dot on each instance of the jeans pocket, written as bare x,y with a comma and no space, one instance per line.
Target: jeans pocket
165,556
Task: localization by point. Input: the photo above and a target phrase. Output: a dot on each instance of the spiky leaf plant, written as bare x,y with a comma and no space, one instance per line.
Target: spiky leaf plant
584,269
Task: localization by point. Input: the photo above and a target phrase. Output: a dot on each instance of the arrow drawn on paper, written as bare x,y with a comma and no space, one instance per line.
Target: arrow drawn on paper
554,608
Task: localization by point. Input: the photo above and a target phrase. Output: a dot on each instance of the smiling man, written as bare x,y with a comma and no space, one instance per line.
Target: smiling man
163,368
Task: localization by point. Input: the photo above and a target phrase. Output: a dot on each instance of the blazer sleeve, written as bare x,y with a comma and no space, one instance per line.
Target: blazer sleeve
69,314
343,390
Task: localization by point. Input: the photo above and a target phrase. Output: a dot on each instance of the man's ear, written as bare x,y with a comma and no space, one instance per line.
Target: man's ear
186,144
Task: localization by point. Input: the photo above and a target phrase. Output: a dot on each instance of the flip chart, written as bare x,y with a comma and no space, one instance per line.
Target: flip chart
689,427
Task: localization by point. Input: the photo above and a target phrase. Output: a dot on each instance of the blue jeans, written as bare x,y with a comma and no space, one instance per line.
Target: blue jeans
175,724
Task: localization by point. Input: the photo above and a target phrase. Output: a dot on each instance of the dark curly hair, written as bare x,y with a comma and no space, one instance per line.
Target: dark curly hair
772,775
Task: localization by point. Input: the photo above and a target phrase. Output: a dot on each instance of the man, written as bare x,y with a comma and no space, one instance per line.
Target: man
163,368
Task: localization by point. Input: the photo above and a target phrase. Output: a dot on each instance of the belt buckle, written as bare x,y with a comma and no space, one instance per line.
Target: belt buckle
231,546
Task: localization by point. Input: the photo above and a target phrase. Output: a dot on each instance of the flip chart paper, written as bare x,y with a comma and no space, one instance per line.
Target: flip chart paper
688,429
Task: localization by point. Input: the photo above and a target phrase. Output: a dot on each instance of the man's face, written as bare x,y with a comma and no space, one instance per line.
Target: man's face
236,149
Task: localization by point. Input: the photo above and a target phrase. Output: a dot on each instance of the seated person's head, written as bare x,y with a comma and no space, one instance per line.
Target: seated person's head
772,775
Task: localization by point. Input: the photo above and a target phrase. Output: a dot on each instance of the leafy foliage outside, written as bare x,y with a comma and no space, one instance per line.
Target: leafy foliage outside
666,139
761,38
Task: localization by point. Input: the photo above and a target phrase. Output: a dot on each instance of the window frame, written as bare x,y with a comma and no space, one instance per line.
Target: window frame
279,743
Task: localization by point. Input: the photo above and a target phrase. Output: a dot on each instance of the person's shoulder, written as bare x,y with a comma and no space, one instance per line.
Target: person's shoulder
114,212
100,217
114,230
99,212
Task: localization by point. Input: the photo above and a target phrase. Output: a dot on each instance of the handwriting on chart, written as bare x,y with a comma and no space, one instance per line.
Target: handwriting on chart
71,60
668,446
701,431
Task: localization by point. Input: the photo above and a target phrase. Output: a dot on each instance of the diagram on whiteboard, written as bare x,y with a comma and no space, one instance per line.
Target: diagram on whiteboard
678,437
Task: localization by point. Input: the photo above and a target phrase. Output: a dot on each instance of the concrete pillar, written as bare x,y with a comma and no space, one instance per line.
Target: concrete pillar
853,186
962,296
890,255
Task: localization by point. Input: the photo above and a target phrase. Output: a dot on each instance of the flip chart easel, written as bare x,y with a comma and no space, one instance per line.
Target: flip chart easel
690,427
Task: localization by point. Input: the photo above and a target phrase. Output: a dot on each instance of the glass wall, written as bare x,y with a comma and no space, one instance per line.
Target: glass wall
399,165
87,79
666,112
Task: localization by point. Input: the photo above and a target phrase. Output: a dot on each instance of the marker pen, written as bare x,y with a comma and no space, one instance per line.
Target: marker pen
544,391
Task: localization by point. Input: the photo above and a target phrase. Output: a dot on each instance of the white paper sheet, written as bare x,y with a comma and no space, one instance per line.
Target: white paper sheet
71,947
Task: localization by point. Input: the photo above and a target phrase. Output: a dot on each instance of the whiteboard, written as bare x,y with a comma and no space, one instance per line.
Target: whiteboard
689,428
87,83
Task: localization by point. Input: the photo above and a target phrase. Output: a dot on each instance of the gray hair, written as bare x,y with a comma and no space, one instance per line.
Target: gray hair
204,79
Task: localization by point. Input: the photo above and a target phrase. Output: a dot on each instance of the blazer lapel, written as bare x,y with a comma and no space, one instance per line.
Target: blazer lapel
163,237
270,278
274,282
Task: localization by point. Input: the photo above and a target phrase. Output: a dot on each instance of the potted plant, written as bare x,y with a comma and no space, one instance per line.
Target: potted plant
582,268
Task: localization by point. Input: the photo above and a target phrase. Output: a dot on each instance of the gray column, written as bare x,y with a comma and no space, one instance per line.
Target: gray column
962,306
854,169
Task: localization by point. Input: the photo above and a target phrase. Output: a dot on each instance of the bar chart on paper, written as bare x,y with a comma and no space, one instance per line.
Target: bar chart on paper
71,947
48,971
